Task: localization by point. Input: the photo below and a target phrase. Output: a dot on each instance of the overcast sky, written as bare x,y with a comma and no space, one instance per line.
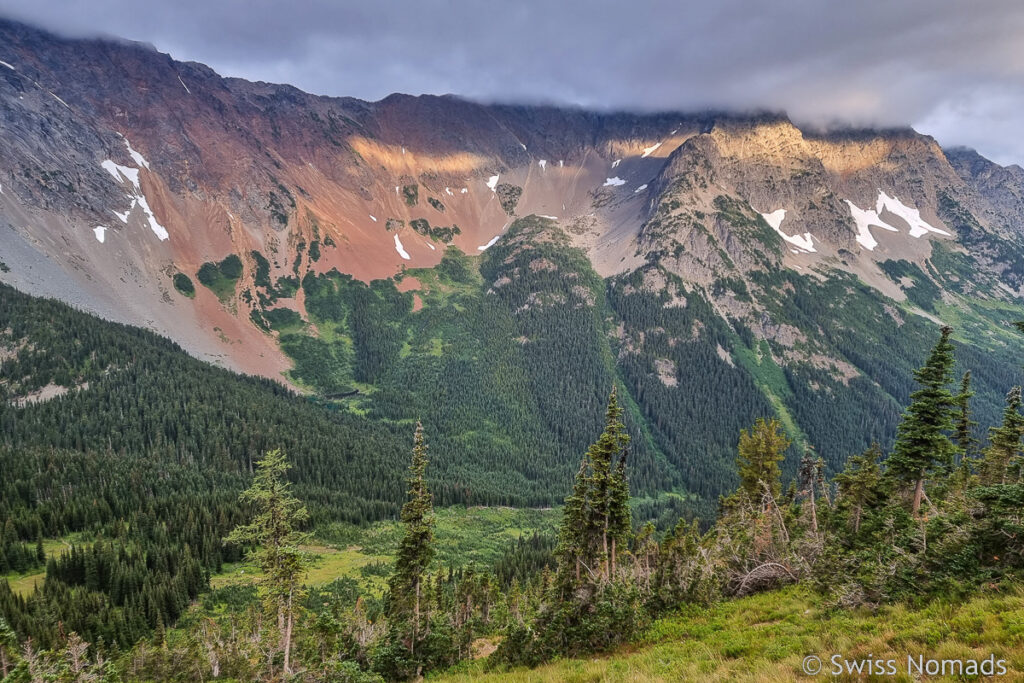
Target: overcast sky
951,68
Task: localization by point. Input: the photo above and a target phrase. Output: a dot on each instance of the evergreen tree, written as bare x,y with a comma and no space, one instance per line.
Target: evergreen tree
963,429
8,644
620,526
858,483
811,476
571,539
1005,442
596,516
605,494
592,607
406,601
922,444
760,451
275,538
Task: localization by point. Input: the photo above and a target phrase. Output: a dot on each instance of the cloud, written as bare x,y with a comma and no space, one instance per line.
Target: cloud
951,68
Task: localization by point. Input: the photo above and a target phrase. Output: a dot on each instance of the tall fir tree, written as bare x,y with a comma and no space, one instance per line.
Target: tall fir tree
811,476
596,517
760,451
8,644
1005,443
592,605
571,539
275,538
922,443
963,427
603,496
620,527
407,606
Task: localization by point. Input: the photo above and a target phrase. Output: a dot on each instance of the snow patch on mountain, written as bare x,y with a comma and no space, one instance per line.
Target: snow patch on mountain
100,232
543,163
918,227
864,218
489,244
3,63
640,189
154,225
184,86
774,218
401,250
492,182
648,151
122,173
373,218
616,163
614,182
138,158
124,216
802,243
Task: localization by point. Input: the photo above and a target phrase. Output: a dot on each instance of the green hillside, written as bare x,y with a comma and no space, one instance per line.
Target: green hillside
507,356
766,638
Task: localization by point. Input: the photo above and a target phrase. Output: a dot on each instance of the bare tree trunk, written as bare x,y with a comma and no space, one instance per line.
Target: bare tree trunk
416,620
918,495
613,556
814,512
647,570
288,635
856,519
280,629
604,540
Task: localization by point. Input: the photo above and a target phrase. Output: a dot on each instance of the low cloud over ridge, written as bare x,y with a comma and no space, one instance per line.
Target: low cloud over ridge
951,69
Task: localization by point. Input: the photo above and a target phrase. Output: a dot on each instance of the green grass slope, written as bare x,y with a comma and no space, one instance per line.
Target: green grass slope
767,636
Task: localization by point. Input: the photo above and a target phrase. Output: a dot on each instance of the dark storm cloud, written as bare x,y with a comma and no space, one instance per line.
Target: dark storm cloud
954,69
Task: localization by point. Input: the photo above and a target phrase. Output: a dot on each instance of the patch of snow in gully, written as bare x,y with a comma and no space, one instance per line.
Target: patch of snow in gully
803,243
489,244
139,159
918,227
648,151
864,218
401,250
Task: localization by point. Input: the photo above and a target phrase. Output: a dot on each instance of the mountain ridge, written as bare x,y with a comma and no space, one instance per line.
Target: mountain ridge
345,246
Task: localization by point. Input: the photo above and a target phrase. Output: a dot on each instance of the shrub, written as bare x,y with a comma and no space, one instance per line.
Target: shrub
411,194
183,283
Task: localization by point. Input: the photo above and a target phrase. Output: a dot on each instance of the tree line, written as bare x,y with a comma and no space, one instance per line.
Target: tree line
937,515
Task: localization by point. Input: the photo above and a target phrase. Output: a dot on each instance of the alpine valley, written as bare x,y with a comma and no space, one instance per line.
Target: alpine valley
197,269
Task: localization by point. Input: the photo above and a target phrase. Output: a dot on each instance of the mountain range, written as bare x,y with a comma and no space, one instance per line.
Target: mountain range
493,270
